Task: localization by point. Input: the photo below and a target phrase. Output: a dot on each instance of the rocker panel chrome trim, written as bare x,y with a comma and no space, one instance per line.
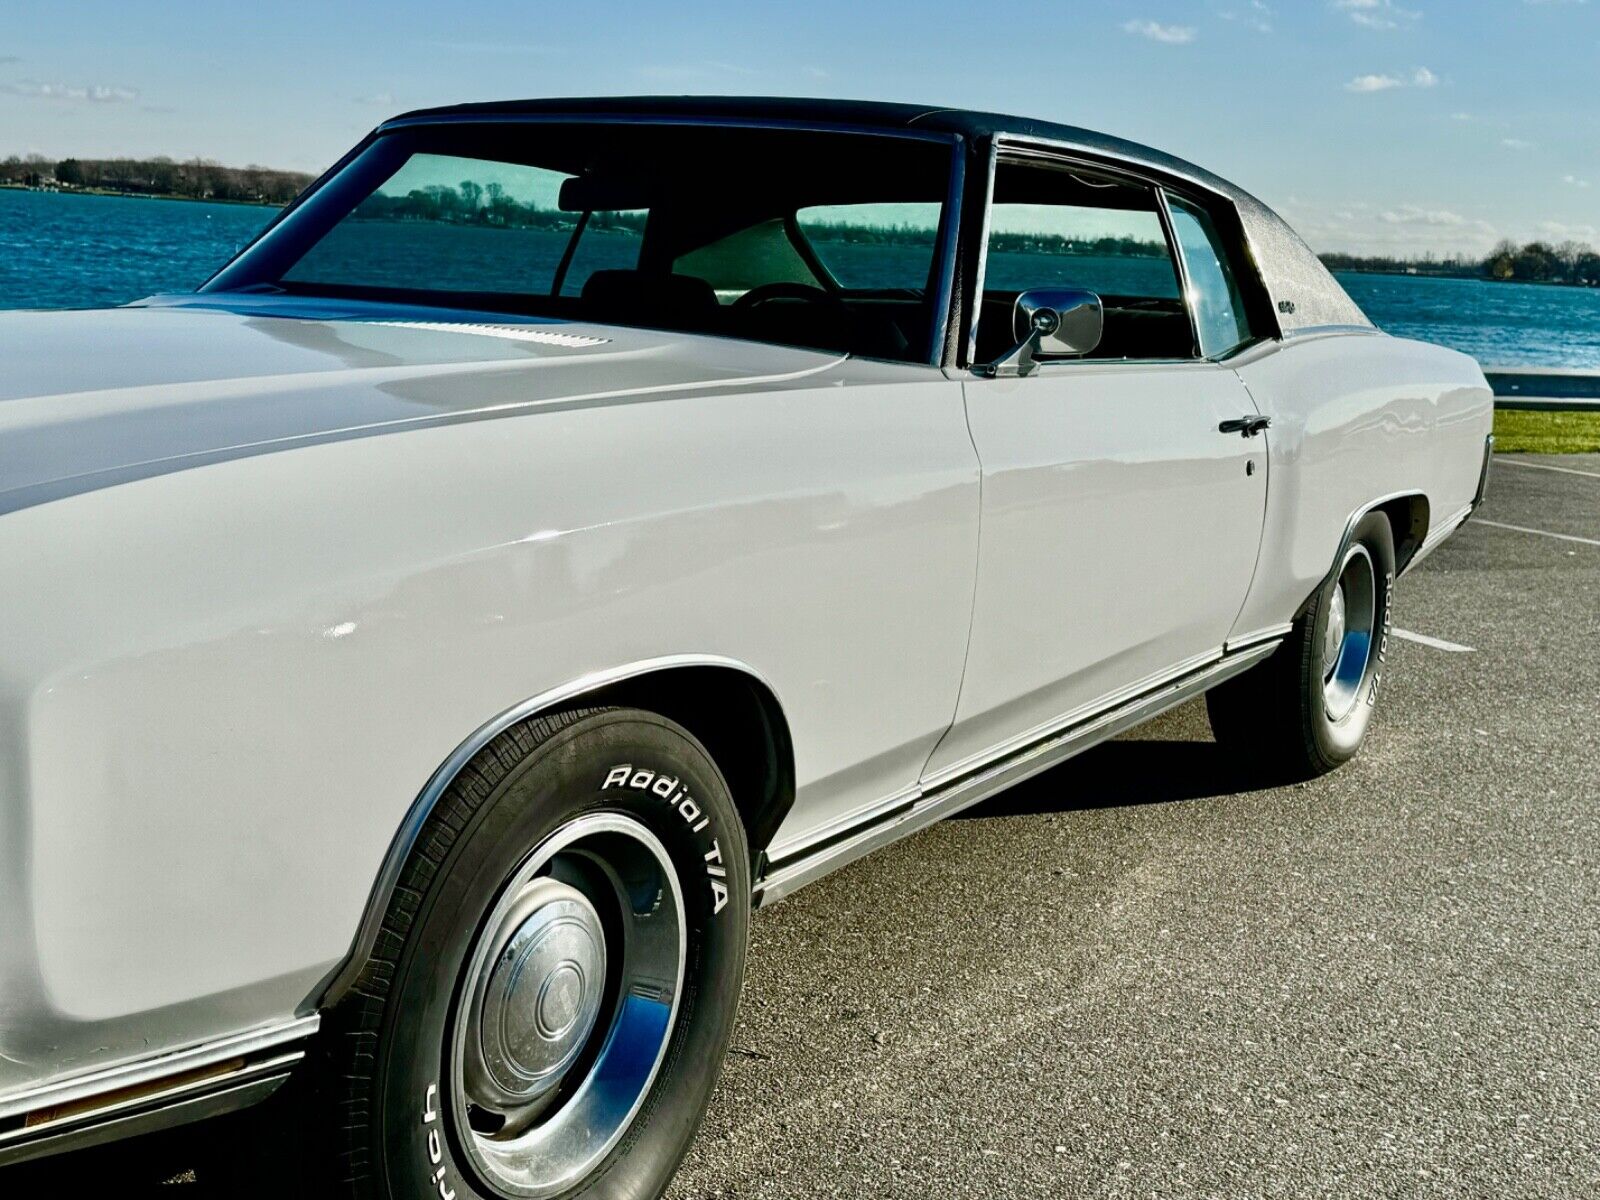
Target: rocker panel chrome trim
151,1070
1002,772
152,1093
146,1112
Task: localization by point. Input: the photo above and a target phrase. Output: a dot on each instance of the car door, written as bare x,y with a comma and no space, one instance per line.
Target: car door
1120,522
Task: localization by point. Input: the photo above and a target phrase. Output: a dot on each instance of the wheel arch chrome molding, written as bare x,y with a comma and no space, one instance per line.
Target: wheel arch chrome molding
1429,536
339,982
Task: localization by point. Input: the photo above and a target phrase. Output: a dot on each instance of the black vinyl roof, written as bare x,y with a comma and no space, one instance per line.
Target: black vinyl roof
864,114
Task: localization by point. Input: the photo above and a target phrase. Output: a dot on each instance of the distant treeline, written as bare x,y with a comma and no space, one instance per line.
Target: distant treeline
1536,262
471,203
197,179
484,204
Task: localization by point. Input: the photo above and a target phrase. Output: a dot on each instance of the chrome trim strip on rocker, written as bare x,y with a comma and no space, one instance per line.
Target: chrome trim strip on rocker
205,1080
1001,772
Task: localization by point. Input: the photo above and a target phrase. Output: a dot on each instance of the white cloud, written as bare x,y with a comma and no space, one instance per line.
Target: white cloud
70,93
1377,14
381,99
1172,35
1374,83
1411,214
1257,15
1462,116
1574,181
1516,144
1559,231
1402,230
1419,78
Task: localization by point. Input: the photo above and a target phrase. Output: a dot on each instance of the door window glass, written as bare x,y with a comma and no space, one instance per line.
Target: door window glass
1053,226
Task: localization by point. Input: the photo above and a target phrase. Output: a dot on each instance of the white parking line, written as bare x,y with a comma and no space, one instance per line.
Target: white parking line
1516,462
1423,639
1565,537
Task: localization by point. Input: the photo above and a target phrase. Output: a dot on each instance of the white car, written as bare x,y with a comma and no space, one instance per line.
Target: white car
574,524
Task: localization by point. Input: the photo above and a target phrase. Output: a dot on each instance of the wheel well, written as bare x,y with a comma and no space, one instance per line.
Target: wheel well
1408,520
738,720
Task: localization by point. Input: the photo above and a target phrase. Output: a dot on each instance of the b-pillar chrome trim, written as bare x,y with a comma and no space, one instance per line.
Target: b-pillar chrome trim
785,876
214,1077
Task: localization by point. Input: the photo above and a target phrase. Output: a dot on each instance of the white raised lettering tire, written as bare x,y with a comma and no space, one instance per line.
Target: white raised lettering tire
1306,709
558,974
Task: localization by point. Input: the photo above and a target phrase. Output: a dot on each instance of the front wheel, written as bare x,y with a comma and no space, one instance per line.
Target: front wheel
1307,708
559,972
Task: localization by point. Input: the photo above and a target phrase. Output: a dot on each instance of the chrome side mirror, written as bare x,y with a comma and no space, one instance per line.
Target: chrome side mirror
1050,323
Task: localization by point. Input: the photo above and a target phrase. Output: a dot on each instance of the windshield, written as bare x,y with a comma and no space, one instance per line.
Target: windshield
823,240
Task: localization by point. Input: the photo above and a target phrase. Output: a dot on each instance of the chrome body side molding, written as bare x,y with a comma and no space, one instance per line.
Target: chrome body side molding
170,1089
1011,766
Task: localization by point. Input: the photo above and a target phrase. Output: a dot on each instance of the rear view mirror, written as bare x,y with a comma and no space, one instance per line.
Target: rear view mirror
1050,323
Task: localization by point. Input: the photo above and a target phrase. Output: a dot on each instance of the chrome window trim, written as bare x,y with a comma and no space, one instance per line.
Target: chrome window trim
344,976
948,247
1185,287
1013,146
1315,331
975,309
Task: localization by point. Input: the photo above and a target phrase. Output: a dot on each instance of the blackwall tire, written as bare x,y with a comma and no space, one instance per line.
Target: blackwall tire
558,974
1306,710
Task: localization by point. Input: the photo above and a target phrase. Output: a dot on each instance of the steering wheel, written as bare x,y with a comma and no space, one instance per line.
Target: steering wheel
803,292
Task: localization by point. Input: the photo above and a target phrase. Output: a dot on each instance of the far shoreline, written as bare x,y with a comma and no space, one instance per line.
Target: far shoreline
1558,283
83,191
1397,274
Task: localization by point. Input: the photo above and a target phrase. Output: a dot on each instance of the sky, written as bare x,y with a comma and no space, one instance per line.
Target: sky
1375,126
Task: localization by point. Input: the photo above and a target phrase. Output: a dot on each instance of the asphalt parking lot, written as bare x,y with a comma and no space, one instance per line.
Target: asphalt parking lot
1152,973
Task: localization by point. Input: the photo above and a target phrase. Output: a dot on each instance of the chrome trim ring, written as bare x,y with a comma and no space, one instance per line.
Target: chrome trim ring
569,999
1348,632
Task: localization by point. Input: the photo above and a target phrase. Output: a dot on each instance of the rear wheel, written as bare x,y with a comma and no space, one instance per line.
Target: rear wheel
558,975
1306,709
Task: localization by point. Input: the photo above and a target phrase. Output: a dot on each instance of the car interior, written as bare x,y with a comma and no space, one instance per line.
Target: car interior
716,244
1135,277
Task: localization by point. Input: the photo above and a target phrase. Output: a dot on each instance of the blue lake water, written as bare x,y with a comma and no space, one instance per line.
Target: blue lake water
65,251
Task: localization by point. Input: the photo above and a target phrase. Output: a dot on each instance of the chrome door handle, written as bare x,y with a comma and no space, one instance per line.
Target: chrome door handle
1245,426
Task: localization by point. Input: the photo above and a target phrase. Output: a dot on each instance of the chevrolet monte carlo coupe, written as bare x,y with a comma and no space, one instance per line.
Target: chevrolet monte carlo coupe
574,524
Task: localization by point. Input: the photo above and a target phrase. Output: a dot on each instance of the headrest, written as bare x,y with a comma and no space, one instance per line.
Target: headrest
673,300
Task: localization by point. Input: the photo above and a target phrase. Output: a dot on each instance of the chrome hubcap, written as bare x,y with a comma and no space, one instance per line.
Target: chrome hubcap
538,1000
570,997
1333,639
1347,637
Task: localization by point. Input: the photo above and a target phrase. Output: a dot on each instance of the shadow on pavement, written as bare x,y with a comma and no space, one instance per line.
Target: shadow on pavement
1131,772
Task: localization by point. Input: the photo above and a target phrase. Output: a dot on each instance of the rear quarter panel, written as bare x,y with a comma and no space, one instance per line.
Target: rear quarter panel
1356,418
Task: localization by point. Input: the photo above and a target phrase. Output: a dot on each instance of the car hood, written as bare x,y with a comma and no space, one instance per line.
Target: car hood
93,398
